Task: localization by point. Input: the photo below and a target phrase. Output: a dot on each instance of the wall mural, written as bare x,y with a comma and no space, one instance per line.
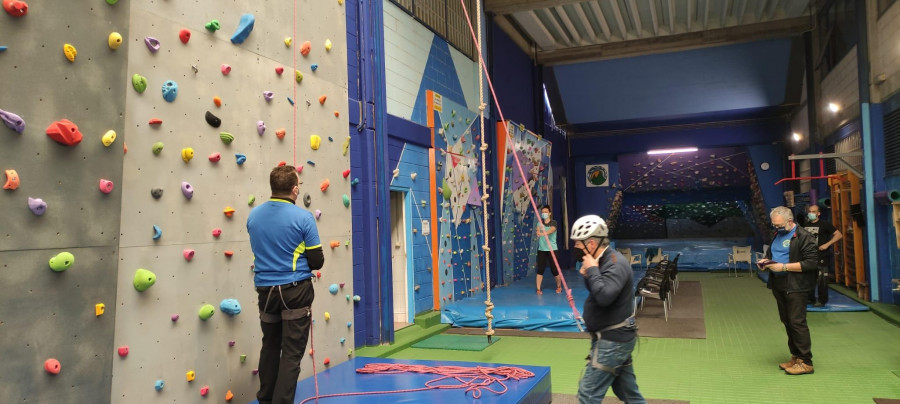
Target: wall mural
517,216
457,141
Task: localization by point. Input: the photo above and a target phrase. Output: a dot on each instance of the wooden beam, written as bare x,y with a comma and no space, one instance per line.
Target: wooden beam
512,6
619,20
601,19
502,21
653,17
636,18
675,43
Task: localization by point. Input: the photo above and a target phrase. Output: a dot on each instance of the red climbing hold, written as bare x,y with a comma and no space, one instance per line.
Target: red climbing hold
346,173
215,157
229,253
217,233
279,70
322,99
184,35
282,163
326,361
52,366
65,132
155,121
123,351
15,8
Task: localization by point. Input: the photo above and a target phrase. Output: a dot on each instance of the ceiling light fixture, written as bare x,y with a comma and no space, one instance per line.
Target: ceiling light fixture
833,107
672,151
796,137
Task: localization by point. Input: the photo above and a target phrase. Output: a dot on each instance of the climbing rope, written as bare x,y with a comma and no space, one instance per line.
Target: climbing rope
471,379
484,72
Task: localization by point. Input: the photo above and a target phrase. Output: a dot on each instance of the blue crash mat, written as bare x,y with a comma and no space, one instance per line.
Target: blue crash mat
696,254
343,379
837,301
517,306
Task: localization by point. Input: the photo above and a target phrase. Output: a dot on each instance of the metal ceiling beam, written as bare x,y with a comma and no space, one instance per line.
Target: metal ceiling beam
564,16
555,25
636,18
690,13
653,17
741,10
724,17
760,10
679,42
535,29
619,20
601,20
513,6
706,14
671,17
593,36
503,22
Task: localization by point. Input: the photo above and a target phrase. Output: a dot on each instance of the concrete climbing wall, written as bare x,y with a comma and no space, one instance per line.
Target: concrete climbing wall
163,349
47,314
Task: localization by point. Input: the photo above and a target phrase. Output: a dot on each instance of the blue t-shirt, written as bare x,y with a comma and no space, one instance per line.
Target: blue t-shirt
280,233
542,242
781,248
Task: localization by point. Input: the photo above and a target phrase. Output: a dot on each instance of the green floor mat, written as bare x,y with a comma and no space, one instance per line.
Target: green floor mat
455,342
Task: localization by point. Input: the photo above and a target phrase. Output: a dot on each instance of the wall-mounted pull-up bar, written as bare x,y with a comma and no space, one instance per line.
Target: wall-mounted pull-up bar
821,156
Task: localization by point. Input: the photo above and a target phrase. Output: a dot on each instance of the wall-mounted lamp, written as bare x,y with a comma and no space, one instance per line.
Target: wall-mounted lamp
672,151
834,108
796,137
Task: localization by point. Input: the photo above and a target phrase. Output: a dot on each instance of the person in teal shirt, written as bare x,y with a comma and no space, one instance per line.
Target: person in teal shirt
546,227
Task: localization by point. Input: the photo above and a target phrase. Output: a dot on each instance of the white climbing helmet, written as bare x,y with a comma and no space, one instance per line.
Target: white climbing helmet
589,226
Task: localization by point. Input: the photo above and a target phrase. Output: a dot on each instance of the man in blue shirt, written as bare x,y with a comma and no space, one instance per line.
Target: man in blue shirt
794,266
286,249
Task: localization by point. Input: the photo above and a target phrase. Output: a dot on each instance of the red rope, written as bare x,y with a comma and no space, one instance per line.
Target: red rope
294,79
471,379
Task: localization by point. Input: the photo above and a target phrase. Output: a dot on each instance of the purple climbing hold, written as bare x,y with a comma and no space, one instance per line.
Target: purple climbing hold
268,95
187,190
260,127
152,43
37,206
12,121
244,28
318,214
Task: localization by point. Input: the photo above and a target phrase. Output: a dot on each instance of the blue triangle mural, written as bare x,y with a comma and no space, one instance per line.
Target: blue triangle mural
439,76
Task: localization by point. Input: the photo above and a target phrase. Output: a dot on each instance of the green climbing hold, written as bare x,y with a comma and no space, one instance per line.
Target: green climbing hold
226,137
206,311
62,261
213,26
447,192
346,201
157,147
251,200
139,83
143,279
112,2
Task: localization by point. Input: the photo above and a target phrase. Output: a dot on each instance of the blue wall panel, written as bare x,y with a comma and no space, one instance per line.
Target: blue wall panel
440,76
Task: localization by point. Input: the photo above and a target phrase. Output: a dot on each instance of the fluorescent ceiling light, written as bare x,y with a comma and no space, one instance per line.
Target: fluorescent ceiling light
796,137
672,151
833,107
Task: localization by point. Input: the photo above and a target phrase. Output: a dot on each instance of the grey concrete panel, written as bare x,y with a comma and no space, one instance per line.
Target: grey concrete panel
48,314
41,86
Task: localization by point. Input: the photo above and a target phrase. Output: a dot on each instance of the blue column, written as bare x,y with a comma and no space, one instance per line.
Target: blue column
862,57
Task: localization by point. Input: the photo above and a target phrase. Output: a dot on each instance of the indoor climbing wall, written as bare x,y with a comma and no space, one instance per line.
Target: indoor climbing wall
457,142
519,243
60,197
231,90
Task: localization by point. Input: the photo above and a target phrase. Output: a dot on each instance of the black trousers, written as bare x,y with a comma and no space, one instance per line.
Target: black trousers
792,310
822,280
543,260
284,341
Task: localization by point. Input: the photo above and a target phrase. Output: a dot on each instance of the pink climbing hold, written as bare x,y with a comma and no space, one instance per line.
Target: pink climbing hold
123,351
204,391
279,70
231,343
52,366
184,35
300,169
215,157
188,254
106,186
226,69
175,317
16,8
217,232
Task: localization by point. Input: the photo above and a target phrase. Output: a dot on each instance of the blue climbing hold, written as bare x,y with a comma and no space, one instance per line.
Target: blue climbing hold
330,139
241,159
354,182
170,90
244,28
159,385
290,100
310,162
2,48
314,66
333,288
230,306
157,232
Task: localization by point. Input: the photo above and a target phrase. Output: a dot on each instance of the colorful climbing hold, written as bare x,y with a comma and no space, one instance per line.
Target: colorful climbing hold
158,385
226,137
156,193
175,317
326,362
12,121
244,28
229,211
217,232
356,298
190,375
64,132
346,146
215,157
206,311
342,340
229,396
62,261
322,99
290,100
108,138
268,95
123,351
280,133
228,253
354,182
231,307
187,154
106,186
298,76
169,90
305,47
217,100
15,8
225,69
334,244
188,254
299,169
213,26
114,40
333,288
317,214
143,279
315,141
52,366
327,316
157,232
328,45
324,185
157,147
139,83
346,200
314,67
241,159
310,162
99,309
70,52
260,127
12,180
243,358
152,44
251,199
279,70
187,190
337,114
184,35
213,120
287,41
346,173
307,200
37,206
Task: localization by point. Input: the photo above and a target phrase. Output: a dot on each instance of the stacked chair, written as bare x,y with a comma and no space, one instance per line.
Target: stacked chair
658,284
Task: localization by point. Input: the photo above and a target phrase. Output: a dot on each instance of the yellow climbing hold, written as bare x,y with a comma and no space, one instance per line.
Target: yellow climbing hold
315,141
328,45
346,145
187,154
298,76
287,41
70,52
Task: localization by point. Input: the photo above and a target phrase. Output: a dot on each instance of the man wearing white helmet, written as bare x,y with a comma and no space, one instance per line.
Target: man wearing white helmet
608,314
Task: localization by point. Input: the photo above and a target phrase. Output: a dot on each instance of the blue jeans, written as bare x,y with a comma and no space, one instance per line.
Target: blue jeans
595,382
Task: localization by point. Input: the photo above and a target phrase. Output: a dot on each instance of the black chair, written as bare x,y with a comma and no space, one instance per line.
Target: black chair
656,284
673,273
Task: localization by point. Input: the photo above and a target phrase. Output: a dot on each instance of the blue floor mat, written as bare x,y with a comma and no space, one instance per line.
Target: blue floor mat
837,301
518,306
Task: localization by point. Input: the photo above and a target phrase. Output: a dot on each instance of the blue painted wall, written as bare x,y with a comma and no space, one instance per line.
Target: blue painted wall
440,76
749,75
515,78
779,168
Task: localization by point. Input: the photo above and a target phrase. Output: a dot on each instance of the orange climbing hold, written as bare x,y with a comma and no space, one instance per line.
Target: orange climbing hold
12,180
282,163
229,253
229,211
125,148
217,101
229,395
324,185
335,244
322,99
337,114
280,133
305,48
155,121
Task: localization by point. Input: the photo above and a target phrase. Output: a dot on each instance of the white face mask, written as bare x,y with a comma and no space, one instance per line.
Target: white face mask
545,216
812,216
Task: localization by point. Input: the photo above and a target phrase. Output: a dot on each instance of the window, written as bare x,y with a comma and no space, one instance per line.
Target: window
447,19
838,33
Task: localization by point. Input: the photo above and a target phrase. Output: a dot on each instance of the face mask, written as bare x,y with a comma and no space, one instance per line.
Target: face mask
781,230
812,216
577,254
545,216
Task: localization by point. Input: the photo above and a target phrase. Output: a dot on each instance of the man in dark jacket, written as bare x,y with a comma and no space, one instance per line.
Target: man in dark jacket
794,266
608,315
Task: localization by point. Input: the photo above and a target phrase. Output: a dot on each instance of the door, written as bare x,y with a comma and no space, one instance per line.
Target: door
399,267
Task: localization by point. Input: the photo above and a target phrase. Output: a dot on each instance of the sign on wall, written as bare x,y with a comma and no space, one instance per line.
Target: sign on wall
597,175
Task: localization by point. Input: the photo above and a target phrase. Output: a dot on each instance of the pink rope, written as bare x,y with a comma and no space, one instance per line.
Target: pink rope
471,379
519,164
